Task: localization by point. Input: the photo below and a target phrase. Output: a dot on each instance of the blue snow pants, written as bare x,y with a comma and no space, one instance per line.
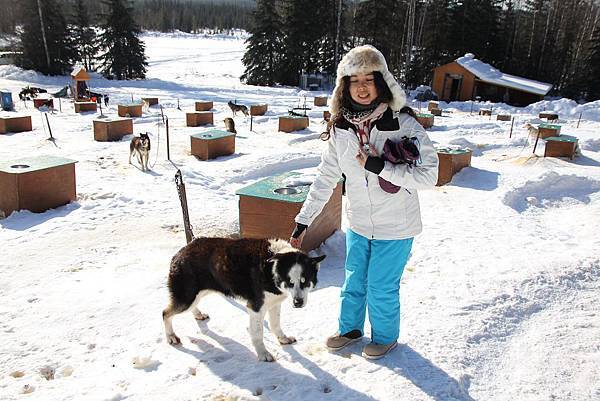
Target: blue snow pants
373,272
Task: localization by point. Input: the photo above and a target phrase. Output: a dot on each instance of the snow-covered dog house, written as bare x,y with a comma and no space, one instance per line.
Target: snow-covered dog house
425,119
80,87
268,207
548,115
112,129
561,146
204,106
451,161
36,183
6,102
258,109
14,124
151,101
503,117
130,109
212,144
485,112
43,101
292,123
320,101
85,106
466,78
197,118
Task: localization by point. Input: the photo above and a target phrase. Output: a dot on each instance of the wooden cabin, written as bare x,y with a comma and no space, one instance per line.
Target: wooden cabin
467,78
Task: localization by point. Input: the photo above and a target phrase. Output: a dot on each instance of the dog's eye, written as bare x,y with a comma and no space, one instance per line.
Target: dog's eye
302,280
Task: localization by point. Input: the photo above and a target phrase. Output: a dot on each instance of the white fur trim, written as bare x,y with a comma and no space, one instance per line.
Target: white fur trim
280,246
363,60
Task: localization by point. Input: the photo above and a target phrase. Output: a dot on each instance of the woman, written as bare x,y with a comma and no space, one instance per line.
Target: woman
382,206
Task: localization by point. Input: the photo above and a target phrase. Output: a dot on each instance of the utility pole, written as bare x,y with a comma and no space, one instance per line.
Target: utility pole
43,33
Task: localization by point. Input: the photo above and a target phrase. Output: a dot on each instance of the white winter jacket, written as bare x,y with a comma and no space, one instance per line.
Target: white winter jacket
372,212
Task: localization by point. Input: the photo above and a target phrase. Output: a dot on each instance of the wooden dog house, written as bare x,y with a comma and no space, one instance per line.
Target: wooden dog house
204,106
503,117
326,115
433,105
39,102
197,118
485,112
80,86
320,101
212,144
425,119
112,129
561,146
548,115
467,78
451,162
268,208
85,106
548,130
130,110
292,123
436,112
36,183
258,109
14,124
150,100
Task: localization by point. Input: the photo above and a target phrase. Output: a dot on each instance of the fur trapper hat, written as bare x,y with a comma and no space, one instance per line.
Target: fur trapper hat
363,60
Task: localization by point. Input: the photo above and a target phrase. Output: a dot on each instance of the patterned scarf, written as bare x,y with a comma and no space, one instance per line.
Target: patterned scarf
362,120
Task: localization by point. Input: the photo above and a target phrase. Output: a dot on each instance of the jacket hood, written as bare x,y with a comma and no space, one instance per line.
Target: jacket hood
363,60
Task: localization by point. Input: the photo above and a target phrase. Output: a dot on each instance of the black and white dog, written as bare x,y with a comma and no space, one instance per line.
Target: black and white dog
140,146
262,272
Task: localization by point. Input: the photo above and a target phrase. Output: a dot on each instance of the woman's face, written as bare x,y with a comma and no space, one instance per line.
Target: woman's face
363,89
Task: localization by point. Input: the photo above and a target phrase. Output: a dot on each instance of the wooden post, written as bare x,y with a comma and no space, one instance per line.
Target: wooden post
59,105
49,129
178,108
131,97
168,150
162,114
183,200
101,115
471,112
511,127
491,111
251,119
579,119
536,141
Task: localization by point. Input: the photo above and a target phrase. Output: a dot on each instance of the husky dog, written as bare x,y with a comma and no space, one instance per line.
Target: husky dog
237,107
261,272
230,125
532,132
141,147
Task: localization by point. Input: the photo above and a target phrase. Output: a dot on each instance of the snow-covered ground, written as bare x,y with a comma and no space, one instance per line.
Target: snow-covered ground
500,299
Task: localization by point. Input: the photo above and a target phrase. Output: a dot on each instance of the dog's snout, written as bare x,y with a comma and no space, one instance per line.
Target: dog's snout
298,302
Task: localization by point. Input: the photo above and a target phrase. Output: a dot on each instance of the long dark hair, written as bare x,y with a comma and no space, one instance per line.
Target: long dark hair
384,95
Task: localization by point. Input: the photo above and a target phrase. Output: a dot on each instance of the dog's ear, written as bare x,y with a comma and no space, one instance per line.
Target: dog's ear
317,260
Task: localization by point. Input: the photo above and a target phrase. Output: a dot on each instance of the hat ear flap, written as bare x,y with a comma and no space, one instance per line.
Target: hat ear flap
336,100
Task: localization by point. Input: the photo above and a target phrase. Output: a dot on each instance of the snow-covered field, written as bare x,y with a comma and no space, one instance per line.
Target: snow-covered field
500,299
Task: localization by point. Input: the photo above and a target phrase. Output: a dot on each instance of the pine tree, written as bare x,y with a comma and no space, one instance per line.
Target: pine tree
52,51
84,36
305,25
265,46
124,56
594,65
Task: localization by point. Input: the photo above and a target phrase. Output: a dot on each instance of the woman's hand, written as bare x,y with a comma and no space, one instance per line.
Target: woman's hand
297,242
362,155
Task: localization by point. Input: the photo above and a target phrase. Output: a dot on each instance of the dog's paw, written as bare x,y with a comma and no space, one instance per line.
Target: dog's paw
265,357
173,339
286,340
